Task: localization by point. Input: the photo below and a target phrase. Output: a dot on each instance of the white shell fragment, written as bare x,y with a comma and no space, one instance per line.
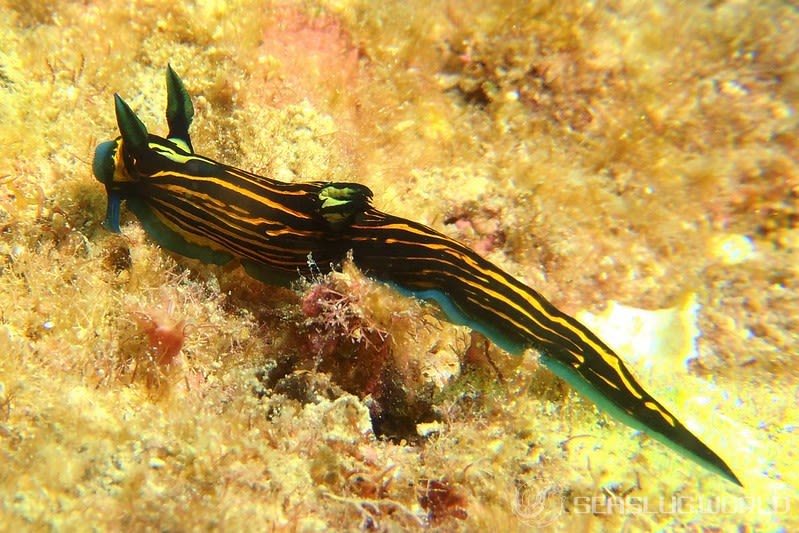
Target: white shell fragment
655,337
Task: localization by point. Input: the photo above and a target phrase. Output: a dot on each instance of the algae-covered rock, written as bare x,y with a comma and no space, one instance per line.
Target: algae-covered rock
611,155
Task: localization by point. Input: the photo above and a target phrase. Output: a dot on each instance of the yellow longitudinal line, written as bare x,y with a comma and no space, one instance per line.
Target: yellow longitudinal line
243,191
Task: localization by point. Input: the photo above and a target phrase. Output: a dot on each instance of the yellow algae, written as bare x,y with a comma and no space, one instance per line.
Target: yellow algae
95,416
617,156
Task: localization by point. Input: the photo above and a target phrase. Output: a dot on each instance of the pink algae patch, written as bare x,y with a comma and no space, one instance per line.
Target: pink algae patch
304,56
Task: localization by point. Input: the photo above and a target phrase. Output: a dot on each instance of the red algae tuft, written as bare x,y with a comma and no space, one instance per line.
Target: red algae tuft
165,335
441,500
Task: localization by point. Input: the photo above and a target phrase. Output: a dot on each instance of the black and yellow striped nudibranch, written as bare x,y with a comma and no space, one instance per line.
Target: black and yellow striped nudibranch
206,210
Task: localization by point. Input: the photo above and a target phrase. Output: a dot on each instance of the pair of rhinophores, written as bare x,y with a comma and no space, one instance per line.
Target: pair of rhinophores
216,213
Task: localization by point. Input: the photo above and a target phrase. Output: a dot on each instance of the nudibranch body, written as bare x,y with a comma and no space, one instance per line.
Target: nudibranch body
207,210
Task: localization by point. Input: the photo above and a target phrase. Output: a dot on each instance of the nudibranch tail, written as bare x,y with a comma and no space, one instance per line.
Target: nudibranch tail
474,292
674,435
203,209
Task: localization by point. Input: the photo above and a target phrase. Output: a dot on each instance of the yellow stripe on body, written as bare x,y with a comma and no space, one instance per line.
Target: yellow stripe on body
220,206
239,190
204,239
